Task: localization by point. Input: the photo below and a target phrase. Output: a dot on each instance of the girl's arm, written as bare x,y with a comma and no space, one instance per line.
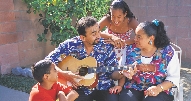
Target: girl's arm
105,22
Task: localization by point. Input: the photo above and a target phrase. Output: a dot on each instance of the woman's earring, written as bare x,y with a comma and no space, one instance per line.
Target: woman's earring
128,20
150,42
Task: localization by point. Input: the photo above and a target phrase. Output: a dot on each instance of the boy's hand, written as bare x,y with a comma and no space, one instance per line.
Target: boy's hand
69,76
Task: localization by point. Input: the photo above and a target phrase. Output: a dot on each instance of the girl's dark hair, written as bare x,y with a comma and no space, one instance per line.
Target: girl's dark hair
85,22
156,28
40,68
120,4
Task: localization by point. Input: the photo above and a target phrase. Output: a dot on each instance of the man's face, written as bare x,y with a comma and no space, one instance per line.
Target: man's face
92,35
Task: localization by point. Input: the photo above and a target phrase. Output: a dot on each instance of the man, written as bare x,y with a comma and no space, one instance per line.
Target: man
89,44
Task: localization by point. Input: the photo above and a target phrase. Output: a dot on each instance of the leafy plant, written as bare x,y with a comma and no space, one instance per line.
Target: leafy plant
60,16
20,83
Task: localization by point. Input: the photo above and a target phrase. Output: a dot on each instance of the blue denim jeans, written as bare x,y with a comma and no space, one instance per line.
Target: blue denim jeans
135,95
98,95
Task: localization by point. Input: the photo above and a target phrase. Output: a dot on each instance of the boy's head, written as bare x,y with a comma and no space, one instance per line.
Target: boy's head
44,70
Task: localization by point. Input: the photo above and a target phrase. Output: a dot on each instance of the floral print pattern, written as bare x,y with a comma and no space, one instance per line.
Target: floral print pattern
102,52
143,80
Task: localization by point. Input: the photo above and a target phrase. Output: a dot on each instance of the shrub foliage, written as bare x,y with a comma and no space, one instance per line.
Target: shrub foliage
60,16
20,83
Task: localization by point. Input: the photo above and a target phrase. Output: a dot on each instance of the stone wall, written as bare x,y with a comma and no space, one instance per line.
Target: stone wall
176,15
18,30
18,36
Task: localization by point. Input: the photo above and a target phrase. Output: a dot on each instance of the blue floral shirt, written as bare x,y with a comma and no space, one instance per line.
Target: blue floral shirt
102,52
143,80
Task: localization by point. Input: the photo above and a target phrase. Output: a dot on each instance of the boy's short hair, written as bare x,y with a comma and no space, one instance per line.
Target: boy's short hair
40,68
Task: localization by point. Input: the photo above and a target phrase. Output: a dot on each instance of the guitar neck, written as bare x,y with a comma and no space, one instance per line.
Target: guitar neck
108,69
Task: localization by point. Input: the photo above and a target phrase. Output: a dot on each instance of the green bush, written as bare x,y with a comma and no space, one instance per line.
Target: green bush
58,15
20,83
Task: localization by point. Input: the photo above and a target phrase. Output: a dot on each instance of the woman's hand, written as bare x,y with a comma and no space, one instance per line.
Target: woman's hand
153,91
129,74
115,89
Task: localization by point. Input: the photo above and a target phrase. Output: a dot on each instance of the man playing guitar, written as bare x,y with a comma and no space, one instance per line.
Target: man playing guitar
89,44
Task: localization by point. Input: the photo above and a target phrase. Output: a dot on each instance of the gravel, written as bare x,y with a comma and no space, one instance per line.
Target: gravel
185,74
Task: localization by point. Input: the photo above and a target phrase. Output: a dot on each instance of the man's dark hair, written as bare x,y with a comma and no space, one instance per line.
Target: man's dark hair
40,68
85,22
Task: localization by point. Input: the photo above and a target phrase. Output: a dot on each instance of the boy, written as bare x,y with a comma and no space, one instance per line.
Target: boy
47,88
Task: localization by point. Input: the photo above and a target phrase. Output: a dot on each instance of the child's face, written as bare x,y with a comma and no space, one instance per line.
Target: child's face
53,76
117,16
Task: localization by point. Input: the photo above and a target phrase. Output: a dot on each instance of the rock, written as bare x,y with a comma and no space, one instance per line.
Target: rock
24,73
27,72
17,71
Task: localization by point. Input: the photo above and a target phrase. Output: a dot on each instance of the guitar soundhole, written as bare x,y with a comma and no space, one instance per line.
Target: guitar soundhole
83,71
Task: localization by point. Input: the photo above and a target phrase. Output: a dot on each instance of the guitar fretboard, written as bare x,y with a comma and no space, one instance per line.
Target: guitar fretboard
108,69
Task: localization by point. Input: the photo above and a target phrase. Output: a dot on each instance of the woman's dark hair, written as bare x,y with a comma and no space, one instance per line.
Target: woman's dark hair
40,68
120,4
156,28
85,22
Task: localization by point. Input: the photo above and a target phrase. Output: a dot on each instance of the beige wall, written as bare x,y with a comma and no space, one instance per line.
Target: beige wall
18,30
18,36
176,15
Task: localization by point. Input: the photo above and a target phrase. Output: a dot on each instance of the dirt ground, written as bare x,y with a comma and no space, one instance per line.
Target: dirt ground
185,74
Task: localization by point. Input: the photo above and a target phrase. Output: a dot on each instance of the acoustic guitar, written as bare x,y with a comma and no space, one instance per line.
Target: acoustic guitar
87,68
69,63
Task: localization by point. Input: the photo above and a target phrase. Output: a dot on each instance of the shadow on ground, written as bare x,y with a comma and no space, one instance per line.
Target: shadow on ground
185,74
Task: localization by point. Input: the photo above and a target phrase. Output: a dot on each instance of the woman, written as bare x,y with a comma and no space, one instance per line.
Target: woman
152,49
120,23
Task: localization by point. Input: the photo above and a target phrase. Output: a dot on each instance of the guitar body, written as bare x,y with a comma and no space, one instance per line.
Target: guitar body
72,64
